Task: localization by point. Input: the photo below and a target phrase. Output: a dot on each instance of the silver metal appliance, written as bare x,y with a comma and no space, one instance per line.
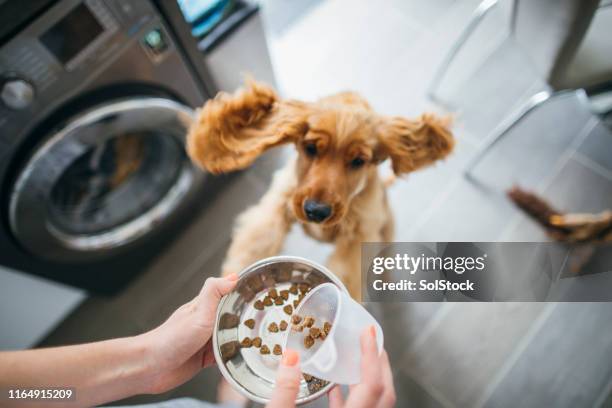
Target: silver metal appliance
95,97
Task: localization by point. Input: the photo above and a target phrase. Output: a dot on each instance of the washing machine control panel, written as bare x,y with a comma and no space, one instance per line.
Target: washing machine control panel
16,93
63,50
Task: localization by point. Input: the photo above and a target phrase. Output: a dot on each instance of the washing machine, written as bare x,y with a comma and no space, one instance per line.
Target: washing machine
95,100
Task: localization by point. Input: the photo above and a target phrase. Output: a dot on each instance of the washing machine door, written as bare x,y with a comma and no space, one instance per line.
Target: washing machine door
103,181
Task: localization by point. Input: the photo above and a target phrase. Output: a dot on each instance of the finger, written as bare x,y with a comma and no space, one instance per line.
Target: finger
336,400
288,379
388,398
369,391
370,360
214,289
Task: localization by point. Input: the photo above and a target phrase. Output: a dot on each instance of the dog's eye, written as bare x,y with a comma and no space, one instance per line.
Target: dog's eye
357,162
310,149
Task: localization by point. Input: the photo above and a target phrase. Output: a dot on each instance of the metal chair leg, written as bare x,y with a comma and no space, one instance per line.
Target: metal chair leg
534,102
477,16
494,137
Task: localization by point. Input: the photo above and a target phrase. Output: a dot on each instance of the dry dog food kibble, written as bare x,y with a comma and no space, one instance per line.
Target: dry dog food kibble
283,325
264,349
257,341
296,319
284,294
304,287
308,341
250,323
307,377
279,301
228,321
267,301
272,293
309,321
296,302
326,327
246,342
277,350
273,327
297,327
229,350
315,384
288,309
314,332
293,289
258,305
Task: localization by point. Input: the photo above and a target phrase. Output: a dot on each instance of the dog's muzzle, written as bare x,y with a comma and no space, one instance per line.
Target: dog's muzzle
317,211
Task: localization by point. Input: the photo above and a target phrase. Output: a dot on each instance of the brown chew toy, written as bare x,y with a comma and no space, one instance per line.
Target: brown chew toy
574,228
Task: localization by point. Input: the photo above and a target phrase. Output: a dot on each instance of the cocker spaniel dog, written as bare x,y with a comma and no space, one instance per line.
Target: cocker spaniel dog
332,187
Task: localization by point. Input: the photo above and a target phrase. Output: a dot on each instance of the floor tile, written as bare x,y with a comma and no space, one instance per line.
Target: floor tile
320,57
412,195
402,324
559,368
468,346
598,145
410,394
529,152
467,212
280,15
423,14
579,189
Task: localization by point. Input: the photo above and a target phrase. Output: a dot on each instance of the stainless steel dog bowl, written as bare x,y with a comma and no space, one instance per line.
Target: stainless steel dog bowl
246,369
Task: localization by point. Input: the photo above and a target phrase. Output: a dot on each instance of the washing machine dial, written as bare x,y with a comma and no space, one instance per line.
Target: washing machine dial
16,93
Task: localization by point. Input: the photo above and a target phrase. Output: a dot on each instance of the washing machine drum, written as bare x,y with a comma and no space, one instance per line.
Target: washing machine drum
103,181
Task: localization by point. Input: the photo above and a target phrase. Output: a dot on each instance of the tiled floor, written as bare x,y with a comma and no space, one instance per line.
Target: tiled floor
445,354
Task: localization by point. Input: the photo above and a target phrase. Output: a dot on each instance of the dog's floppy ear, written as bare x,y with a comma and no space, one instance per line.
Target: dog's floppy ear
413,144
231,131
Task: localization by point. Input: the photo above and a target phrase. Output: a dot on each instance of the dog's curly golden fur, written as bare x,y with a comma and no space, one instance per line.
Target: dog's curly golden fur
340,141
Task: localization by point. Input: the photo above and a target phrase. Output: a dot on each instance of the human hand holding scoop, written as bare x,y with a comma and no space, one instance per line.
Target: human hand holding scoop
337,357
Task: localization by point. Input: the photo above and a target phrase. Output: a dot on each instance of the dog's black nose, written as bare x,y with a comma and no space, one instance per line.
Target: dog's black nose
317,211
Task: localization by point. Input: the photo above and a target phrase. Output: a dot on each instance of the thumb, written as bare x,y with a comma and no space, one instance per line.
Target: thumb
288,379
214,289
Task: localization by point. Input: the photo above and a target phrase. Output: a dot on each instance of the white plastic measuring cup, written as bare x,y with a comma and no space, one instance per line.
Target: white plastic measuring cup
338,357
